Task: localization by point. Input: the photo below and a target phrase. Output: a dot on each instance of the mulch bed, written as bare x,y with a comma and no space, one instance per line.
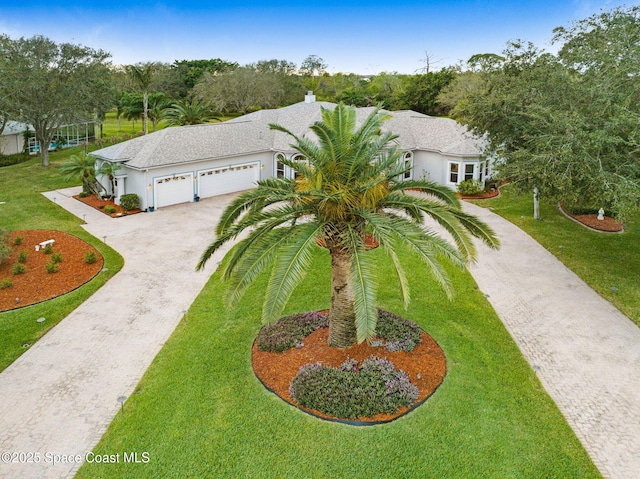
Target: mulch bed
99,204
36,284
276,370
481,196
606,225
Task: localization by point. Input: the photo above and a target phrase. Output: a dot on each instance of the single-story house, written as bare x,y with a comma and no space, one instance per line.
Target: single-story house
12,137
181,164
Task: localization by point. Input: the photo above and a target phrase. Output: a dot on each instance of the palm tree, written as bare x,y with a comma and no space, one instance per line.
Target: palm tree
82,167
109,169
142,76
188,113
350,186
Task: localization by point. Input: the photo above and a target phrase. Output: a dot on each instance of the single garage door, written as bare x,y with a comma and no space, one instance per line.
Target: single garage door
229,179
172,190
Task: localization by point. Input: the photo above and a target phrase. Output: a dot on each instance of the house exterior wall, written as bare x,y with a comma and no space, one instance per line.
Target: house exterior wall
437,167
11,144
142,183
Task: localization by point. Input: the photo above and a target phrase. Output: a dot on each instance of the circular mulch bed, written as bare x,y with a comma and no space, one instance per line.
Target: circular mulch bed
99,204
425,366
36,284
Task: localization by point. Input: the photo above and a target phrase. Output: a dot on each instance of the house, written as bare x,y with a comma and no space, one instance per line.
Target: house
12,137
181,164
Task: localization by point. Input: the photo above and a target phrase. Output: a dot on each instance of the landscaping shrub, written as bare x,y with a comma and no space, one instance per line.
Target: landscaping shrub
6,283
22,257
17,241
51,267
8,160
350,392
470,187
129,202
18,269
289,331
48,249
399,333
108,209
83,194
56,258
90,257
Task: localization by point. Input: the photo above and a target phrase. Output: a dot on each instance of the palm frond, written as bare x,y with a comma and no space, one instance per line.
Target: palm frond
363,288
290,268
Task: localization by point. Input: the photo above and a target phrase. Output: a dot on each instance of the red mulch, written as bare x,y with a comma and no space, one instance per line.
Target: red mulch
607,224
99,204
276,370
481,196
36,285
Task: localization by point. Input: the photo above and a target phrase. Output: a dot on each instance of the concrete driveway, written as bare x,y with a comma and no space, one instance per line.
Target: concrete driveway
59,397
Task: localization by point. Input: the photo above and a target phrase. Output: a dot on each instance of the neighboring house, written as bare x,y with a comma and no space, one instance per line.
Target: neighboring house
181,164
12,137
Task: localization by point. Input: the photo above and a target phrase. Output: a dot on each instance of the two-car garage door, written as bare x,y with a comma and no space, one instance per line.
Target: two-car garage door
229,179
179,188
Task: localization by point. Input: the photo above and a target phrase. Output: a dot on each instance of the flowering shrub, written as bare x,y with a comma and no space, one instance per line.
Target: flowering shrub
400,334
289,331
350,392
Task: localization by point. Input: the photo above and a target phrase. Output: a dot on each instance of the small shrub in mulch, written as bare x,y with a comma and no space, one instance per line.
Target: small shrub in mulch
51,267
90,257
56,258
6,283
22,257
18,268
289,331
17,241
350,391
400,334
108,209
48,249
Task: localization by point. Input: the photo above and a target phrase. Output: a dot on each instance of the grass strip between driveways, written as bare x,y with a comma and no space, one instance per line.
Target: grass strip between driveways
200,412
608,262
26,208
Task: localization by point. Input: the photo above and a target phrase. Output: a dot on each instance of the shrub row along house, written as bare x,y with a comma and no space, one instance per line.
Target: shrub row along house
182,164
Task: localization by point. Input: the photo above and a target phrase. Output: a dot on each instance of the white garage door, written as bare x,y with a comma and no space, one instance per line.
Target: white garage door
219,181
172,190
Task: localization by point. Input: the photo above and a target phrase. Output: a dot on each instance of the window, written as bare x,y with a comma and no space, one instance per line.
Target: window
280,167
469,169
454,170
408,165
296,174
481,175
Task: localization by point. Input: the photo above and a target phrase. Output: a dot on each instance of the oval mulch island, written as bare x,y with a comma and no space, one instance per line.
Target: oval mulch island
425,367
36,284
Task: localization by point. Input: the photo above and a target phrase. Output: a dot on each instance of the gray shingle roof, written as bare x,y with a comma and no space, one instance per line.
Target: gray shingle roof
250,134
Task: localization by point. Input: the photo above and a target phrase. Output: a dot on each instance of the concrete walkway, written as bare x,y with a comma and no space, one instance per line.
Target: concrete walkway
59,397
586,352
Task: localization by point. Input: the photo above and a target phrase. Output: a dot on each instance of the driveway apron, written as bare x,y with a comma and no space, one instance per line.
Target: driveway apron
58,398
585,352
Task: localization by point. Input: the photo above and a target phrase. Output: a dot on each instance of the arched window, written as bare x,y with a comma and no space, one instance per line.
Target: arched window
407,161
279,169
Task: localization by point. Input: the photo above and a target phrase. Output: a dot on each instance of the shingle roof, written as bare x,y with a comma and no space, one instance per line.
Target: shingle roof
15,128
250,134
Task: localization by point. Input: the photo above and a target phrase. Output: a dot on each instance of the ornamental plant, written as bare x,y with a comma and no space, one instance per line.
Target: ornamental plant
289,331
129,201
350,391
6,283
90,257
51,267
18,268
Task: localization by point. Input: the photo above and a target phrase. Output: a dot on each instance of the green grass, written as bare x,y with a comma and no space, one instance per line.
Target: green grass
200,412
26,208
607,262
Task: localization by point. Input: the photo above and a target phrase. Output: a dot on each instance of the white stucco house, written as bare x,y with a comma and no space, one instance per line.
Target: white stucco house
12,137
181,164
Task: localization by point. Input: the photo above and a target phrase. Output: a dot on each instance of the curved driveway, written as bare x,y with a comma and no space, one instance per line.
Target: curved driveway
60,396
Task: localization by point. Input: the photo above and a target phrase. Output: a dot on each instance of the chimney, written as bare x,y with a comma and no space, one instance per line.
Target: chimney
309,97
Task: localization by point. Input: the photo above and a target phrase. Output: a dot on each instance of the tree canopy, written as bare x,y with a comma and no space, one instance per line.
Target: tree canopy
49,85
568,124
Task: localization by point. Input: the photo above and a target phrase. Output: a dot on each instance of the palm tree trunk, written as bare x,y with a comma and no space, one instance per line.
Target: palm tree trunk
342,328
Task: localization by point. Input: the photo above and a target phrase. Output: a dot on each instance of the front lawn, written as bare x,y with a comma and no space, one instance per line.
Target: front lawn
199,411
608,262
26,208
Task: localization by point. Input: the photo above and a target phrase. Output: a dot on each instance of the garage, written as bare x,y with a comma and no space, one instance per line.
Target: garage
228,179
171,190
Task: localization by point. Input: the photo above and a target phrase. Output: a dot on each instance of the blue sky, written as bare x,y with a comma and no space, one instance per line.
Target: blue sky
364,37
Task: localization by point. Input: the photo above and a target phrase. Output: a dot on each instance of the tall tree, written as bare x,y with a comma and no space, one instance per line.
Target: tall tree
142,76
51,85
421,93
349,185
185,112
567,125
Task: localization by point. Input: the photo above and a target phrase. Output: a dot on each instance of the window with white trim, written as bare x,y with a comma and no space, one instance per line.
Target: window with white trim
279,167
408,165
454,172
469,171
